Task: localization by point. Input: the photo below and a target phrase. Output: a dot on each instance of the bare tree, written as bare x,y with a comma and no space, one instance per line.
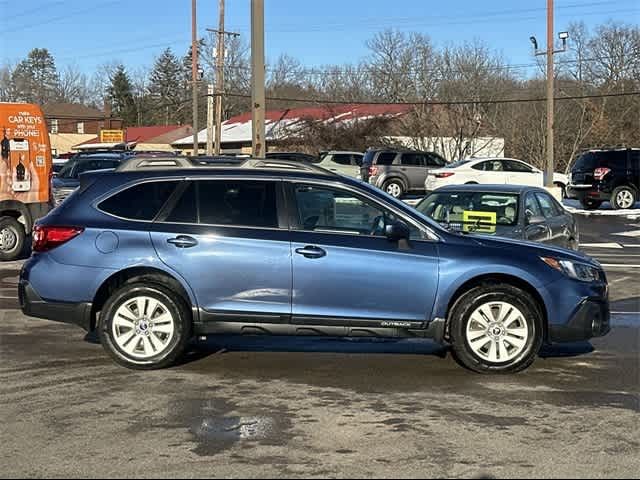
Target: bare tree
73,86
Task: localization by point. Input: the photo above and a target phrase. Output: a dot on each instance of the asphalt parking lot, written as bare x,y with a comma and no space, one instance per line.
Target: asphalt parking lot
255,407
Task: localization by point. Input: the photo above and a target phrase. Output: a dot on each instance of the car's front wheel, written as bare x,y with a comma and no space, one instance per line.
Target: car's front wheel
496,328
145,326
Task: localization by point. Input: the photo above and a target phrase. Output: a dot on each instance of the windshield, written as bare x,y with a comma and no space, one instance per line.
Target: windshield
67,169
471,207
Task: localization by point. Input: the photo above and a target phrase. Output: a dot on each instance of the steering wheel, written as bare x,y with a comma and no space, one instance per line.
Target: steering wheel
378,226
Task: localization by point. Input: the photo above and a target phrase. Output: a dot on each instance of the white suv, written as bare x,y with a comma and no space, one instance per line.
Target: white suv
344,163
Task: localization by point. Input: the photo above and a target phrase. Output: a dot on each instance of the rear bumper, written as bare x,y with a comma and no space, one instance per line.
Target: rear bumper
587,193
590,319
34,306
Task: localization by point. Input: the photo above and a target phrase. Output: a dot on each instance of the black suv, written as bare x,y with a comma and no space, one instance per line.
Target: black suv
399,171
600,175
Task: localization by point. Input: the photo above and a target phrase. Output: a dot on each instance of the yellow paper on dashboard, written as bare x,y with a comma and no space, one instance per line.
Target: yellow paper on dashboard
479,222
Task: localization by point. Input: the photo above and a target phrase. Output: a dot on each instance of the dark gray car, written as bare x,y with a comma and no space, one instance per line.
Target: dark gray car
527,213
68,178
398,172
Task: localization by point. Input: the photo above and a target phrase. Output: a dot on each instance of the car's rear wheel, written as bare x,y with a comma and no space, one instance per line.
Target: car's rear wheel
496,328
394,188
590,204
623,198
12,238
145,326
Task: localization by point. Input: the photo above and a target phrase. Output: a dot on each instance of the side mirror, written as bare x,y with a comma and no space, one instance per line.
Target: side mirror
535,220
396,231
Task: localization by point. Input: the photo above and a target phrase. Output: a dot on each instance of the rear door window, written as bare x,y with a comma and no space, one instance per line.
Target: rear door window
490,166
227,202
140,202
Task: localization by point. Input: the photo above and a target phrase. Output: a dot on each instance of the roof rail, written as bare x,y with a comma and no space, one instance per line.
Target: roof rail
285,165
169,163
156,163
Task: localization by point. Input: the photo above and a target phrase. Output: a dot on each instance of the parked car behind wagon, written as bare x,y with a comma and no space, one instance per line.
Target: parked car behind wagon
601,175
520,212
399,171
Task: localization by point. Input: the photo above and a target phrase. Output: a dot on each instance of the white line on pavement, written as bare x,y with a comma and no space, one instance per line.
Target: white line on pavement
613,265
601,245
625,313
632,233
622,279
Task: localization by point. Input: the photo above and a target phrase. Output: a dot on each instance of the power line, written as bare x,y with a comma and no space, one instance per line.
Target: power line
30,25
444,103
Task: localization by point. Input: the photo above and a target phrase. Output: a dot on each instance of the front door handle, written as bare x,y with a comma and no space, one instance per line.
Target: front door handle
311,252
183,241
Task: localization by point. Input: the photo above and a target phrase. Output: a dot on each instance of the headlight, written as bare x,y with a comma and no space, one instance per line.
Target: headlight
577,270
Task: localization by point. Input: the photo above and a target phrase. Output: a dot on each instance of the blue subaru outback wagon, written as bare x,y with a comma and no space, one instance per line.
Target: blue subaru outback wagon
161,250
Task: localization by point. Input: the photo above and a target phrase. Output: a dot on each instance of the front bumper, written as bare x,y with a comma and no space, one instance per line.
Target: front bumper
590,319
34,306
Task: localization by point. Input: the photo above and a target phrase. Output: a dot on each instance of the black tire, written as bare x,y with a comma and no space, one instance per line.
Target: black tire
175,305
477,297
623,192
396,186
589,204
12,232
471,183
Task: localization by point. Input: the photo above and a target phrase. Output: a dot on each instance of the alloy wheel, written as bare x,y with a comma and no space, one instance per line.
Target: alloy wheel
625,199
394,190
497,332
143,327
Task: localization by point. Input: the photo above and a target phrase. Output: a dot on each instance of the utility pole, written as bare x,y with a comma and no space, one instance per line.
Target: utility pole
258,141
210,95
194,75
549,162
219,93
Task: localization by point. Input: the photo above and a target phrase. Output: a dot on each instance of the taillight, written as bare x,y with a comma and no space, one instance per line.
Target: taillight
373,171
600,173
443,174
48,237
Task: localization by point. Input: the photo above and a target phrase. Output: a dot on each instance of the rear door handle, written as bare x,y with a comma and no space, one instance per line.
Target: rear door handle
183,241
311,252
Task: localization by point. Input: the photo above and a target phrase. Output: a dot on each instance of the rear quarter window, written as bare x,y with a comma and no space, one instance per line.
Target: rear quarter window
139,202
385,158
